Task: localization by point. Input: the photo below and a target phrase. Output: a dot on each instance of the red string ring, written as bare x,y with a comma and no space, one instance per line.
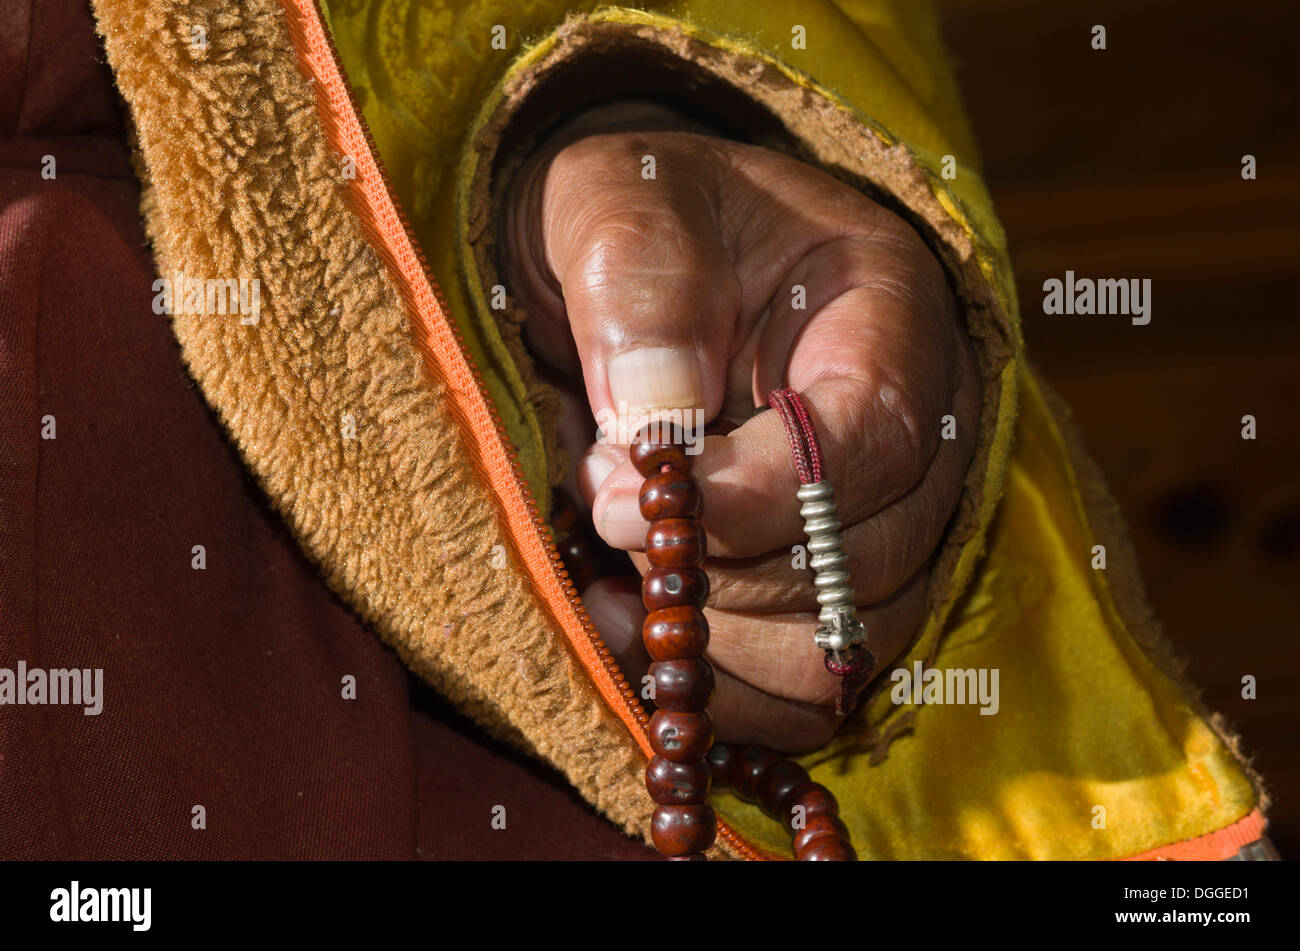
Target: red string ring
808,462
803,438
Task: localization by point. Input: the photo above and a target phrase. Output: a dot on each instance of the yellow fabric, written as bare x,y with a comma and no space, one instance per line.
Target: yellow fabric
1085,720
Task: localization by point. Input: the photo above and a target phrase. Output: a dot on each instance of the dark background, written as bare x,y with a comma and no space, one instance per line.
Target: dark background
1127,163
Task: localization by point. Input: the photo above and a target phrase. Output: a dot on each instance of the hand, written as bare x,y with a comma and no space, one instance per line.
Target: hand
682,291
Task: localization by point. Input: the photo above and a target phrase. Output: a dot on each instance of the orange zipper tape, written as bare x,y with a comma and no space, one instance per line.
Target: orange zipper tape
447,358
1213,846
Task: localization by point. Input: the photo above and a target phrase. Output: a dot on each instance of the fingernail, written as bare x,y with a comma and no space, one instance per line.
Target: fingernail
596,466
621,524
655,379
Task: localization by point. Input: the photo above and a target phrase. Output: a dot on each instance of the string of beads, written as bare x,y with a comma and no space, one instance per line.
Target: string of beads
676,634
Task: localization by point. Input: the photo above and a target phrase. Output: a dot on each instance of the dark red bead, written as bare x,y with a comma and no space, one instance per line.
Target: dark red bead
675,543
748,769
658,445
720,759
669,587
681,830
817,827
671,494
815,799
828,849
779,782
579,560
678,784
681,737
683,685
564,514
674,633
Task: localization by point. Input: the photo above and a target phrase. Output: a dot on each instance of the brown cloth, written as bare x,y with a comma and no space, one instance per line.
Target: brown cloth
222,687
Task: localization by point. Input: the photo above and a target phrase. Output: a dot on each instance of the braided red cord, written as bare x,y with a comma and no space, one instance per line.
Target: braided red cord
808,463
810,435
803,438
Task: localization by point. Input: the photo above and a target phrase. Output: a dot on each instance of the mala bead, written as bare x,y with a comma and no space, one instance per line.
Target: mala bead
779,782
720,758
818,826
579,559
564,514
675,543
675,633
828,849
813,798
580,550
678,784
681,737
671,494
681,830
683,685
659,445
671,587
747,770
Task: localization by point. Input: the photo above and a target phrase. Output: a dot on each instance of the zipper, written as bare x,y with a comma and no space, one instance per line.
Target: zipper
311,20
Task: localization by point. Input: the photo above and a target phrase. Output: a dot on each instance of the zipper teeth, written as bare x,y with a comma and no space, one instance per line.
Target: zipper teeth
725,832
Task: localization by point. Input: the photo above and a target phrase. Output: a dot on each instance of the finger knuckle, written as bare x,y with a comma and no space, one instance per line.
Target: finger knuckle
909,430
813,730
899,551
597,158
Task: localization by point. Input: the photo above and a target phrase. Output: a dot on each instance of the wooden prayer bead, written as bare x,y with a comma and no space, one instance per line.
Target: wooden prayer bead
680,830
579,560
720,758
675,633
656,446
564,514
675,543
575,541
683,685
815,799
671,494
747,770
678,784
818,826
779,782
669,587
681,737
828,849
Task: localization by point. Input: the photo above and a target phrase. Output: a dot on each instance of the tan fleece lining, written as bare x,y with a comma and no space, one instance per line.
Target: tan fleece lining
669,64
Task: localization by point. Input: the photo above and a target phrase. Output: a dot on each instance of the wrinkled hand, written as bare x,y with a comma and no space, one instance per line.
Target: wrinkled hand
682,291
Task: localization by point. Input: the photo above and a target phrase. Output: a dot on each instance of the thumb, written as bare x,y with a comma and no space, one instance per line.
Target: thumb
613,246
